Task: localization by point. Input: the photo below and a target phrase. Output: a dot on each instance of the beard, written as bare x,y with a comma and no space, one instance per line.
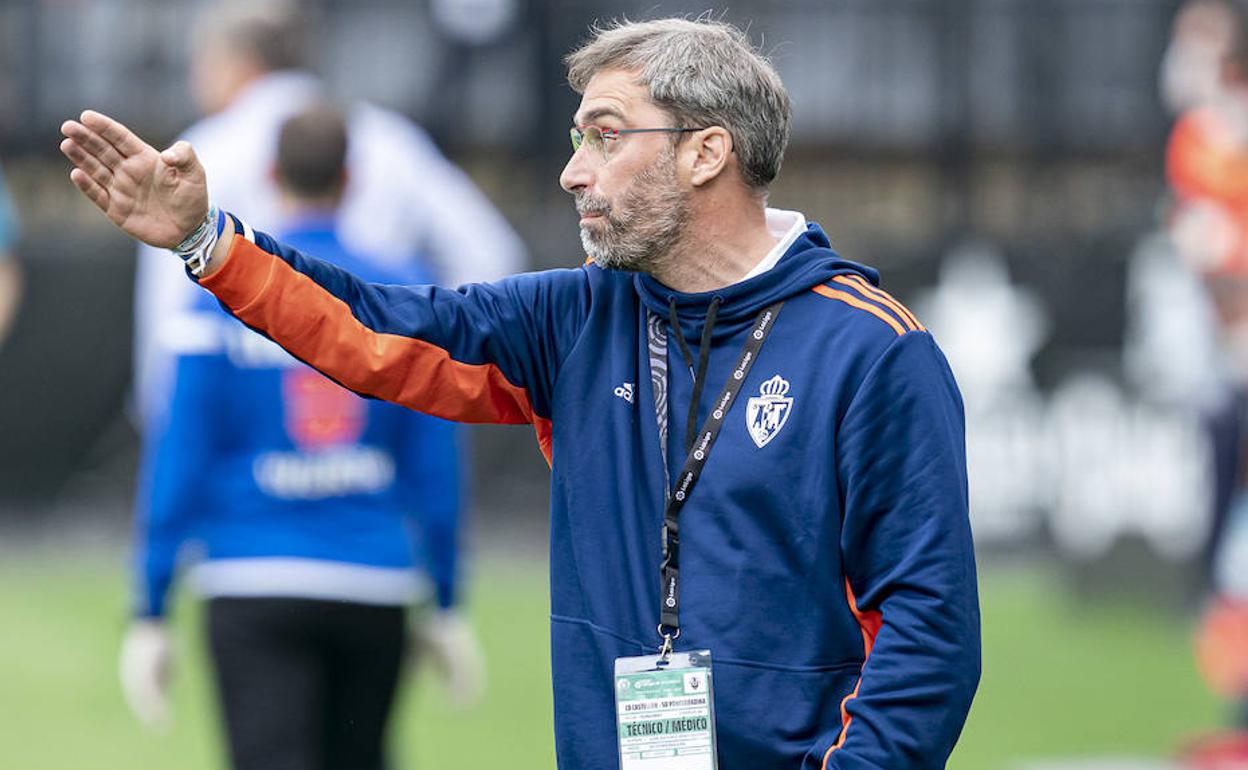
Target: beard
640,232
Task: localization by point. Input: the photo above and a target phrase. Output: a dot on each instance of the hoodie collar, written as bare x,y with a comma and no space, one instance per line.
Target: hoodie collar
807,261
785,227
320,222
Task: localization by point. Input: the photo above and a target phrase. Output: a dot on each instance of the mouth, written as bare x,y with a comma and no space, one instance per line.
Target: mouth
592,208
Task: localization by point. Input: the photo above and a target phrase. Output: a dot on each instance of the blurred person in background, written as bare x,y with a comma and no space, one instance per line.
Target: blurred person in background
1206,76
312,508
403,208
10,271
1191,68
250,70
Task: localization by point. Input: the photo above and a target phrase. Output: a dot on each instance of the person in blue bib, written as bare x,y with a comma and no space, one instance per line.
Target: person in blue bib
760,547
320,517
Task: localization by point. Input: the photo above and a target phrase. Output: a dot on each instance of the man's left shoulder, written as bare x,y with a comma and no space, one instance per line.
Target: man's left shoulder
863,329
858,311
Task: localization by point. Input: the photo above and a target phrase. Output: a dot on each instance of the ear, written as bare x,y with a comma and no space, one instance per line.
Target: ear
710,149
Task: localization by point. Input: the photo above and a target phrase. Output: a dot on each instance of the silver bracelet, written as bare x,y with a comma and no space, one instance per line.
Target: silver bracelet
196,249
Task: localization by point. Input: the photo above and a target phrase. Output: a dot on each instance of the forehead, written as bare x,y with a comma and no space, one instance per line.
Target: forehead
616,93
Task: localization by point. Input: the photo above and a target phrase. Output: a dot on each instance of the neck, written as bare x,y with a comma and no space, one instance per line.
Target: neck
239,73
720,246
311,207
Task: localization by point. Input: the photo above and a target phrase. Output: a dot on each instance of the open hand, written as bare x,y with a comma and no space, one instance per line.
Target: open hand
145,666
448,640
156,197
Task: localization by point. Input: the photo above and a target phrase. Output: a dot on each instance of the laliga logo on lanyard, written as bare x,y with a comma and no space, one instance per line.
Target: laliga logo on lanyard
766,413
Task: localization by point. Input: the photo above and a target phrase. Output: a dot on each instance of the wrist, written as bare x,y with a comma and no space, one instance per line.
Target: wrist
197,235
198,248
221,249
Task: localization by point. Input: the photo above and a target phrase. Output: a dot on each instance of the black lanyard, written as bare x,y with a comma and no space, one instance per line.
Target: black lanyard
695,461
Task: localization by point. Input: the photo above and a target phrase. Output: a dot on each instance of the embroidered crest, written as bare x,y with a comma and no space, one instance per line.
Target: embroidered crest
319,413
766,413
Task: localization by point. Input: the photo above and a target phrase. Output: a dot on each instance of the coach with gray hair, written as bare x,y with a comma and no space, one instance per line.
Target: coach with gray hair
760,555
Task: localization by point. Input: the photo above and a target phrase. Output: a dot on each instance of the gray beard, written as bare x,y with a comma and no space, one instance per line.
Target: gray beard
643,231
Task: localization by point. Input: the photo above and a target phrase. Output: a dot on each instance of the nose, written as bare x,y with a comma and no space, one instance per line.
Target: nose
578,173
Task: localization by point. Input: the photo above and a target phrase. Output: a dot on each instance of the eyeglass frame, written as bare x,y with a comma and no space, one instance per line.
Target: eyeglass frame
614,134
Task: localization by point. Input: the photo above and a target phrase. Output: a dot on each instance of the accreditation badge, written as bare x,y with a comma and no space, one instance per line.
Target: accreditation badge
665,712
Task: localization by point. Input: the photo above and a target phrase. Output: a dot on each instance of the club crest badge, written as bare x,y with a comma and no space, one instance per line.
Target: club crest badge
766,413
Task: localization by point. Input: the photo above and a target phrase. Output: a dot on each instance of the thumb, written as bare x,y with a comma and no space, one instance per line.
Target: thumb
181,155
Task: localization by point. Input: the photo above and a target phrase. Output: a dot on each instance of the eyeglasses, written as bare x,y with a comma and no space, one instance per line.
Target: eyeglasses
599,138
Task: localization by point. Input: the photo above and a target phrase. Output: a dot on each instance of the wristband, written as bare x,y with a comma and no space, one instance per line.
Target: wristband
196,248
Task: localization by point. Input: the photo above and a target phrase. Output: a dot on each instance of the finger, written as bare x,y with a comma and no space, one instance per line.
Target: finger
114,133
87,162
90,188
92,143
180,155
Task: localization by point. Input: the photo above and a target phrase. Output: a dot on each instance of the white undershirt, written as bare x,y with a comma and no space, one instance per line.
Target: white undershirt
782,224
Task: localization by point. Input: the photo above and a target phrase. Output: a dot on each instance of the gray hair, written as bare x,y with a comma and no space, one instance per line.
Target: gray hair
277,33
703,72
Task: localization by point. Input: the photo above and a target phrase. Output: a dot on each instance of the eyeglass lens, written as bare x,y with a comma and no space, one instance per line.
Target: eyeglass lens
590,135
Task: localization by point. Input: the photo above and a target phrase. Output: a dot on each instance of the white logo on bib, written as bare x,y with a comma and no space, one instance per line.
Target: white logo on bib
766,413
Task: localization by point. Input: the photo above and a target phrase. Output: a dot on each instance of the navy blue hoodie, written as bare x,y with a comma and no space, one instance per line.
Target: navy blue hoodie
828,567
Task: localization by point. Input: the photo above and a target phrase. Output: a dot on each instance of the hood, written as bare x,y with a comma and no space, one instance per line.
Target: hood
809,262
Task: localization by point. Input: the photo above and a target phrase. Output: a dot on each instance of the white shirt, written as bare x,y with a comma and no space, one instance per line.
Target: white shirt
403,199
786,227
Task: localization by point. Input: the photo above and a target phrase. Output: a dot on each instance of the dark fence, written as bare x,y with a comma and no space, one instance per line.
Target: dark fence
1032,124
1036,76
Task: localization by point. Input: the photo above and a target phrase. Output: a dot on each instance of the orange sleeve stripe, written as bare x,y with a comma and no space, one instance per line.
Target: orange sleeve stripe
883,297
545,430
317,327
870,623
853,301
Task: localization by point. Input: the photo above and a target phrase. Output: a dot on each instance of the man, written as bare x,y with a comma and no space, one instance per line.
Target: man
812,534
308,555
250,72
403,207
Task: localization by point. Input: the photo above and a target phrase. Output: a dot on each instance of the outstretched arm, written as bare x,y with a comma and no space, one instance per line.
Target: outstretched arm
484,353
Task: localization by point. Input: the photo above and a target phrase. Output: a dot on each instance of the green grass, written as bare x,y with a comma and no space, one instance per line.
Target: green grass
1060,678
1063,678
